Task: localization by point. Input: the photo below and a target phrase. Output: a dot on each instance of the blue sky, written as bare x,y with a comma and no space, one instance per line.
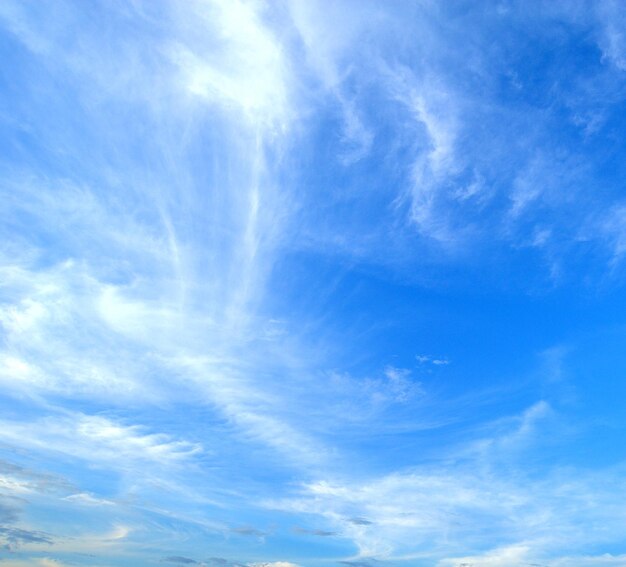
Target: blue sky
306,283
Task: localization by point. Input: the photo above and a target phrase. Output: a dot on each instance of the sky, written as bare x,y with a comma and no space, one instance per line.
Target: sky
309,283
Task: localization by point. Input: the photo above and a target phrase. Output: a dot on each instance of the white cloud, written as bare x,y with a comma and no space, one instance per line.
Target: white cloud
142,282
54,340
613,228
34,562
612,37
426,358
523,556
97,439
483,494
329,50
515,555
587,560
244,64
88,499
400,385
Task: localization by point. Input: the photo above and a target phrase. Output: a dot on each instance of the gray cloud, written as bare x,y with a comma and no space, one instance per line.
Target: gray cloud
8,514
38,481
321,533
248,531
360,521
180,559
14,537
221,562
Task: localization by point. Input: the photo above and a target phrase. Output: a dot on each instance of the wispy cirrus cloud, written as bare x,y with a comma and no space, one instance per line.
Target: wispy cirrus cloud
97,438
227,228
485,493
